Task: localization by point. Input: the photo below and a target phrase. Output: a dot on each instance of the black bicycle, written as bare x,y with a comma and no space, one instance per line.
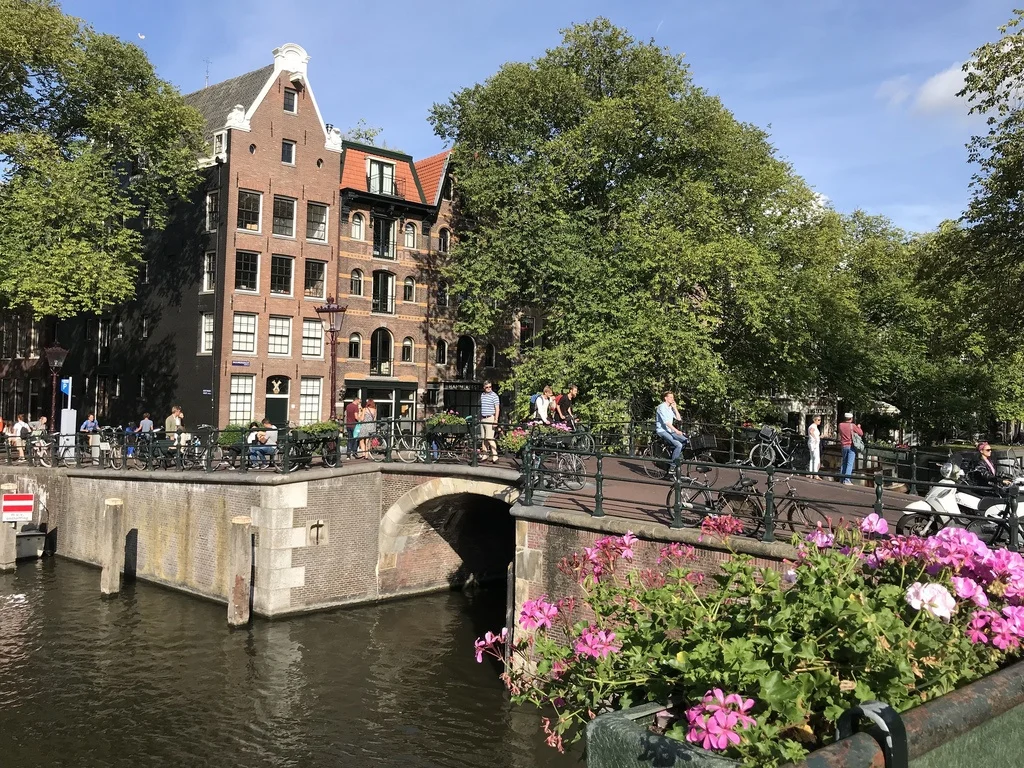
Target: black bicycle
698,450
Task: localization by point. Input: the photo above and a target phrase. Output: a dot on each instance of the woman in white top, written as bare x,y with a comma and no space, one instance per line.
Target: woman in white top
544,403
814,445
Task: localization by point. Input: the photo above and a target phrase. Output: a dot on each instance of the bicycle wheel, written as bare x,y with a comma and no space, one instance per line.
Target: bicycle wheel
377,447
117,456
584,442
329,452
798,516
572,473
762,455
43,451
705,471
408,449
694,497
656,464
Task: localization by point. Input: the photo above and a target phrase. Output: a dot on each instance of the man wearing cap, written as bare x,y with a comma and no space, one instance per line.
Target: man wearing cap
847,429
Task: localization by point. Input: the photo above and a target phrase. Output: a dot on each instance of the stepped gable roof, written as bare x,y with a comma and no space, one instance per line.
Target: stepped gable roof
431,171
215,101
354,170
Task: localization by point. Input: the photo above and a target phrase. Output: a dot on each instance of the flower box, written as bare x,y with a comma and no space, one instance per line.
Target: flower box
449,429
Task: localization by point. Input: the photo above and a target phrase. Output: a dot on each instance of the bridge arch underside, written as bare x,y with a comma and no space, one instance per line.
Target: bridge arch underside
444,533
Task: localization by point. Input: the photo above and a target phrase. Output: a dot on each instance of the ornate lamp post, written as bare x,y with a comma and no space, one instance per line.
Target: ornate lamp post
55,356
332,316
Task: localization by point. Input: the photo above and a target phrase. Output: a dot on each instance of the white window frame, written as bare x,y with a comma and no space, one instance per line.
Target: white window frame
438,346
220,142
295,101
259,214
412,350
310,399
295,213
348,348
327,222
308,324
288,143
323,283
259,268
405,284
370,163
409,229
212,221
210,272
362,282
206,330
291,272
145,327
235,333
357,217
243,385
276,321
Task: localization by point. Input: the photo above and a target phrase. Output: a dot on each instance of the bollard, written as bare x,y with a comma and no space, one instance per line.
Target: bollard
913,470
769,506
240,563
599,483
528,474
474,448
1012,520
732,444
8,546
112,546
878,494
677,497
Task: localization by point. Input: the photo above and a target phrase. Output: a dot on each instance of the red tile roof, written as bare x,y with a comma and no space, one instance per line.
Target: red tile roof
353,171
431,171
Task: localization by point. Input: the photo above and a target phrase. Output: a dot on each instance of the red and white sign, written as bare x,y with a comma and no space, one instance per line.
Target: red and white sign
17,508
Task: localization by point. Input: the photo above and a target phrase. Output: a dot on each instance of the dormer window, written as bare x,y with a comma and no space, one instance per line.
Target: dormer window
448,193
381,178
218,143
291,101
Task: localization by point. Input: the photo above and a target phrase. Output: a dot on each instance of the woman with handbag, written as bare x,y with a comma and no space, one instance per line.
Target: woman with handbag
850,435
367,426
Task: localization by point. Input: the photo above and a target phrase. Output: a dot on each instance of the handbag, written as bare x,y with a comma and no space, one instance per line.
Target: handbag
857,441
356,430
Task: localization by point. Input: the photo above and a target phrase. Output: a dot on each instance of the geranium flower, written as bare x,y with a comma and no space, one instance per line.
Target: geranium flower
537,613
969,589
874,524
596,643
933,598
821,538
713,722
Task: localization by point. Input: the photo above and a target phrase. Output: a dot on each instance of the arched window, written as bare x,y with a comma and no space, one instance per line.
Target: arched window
443,241
381,352
442,294
407,346
442,352
490,356
356,283
355,346
448,193
465,357
356,231
409,289
410,235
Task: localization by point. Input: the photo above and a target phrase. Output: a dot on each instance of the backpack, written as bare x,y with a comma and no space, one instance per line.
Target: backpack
534,398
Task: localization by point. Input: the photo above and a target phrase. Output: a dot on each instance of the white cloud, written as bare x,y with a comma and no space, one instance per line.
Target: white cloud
895,91
938,93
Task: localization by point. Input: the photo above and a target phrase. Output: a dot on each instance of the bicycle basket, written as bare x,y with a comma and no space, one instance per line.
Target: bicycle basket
767,434
705,442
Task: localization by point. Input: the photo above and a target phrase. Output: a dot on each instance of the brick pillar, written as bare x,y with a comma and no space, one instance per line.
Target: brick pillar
276,537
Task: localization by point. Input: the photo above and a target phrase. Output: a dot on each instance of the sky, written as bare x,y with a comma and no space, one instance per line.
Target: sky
858,95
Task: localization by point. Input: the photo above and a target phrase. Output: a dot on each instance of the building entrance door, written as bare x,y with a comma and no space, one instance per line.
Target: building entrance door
278,388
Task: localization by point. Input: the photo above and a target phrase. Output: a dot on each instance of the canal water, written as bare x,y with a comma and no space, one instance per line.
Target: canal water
153,677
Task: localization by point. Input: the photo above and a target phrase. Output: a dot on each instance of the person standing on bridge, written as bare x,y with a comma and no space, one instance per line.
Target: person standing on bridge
664,426
351,419
847,429
490,408
814,447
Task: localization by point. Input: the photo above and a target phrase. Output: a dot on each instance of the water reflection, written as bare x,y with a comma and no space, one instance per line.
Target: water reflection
153,677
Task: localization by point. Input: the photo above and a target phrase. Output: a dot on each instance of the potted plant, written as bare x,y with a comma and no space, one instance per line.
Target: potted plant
514,441
446,423
753,664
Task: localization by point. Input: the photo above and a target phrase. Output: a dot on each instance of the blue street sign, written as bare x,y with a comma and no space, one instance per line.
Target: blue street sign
65,386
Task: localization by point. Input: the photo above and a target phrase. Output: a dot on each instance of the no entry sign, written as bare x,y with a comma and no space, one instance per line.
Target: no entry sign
17,508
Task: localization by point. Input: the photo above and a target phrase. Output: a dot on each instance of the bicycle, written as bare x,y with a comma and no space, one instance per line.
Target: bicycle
776,448
658,458
112,444
569,472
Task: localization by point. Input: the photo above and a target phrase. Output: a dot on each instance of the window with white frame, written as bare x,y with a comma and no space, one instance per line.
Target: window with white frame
249,204
288,152
243,333
409,289
281,275
443,241
209,271
315,280
212,211
355,346
407,347
490,356
316,222
527,329
441,356
383,238
280,335
240,399
206,333
410,235
448,192
442,293
291,101
309,399
356,228
355,283
145,327
381,178
284,216
218,142
312,338
247,271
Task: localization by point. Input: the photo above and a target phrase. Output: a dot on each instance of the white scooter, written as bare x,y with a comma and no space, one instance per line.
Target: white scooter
947,503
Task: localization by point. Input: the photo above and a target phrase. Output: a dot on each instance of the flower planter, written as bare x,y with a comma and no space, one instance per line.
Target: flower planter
448,429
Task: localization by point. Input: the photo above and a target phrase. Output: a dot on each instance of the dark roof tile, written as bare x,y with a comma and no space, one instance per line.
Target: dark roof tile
215,101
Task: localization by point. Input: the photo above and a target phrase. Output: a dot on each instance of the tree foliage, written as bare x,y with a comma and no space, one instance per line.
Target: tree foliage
665,241
93,144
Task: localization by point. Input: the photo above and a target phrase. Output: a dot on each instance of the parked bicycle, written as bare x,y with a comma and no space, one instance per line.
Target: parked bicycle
698,449
775,448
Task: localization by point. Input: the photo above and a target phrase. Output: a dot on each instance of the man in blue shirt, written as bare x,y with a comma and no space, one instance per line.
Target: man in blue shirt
490,408
664,417
89,425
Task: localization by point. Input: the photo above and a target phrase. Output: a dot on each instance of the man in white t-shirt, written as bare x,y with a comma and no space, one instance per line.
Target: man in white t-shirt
19,432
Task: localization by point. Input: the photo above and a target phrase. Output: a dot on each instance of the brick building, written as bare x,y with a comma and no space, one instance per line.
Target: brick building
224,321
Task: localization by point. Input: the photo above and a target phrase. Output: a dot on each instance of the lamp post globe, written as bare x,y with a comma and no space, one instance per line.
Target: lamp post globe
55,357
332,316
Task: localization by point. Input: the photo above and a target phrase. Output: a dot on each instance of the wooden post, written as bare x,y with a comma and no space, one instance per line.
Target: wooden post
112,546
8,537
240,575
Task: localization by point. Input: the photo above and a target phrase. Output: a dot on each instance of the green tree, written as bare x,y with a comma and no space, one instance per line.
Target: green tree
93,146
666,242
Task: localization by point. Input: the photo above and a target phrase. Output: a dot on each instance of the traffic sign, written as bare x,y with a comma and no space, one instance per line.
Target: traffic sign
17,508
65,386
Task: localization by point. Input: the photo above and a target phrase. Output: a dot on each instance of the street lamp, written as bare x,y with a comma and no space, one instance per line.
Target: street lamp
55,356
332,316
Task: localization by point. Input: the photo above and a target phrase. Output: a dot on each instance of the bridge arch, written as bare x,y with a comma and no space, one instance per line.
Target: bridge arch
425,530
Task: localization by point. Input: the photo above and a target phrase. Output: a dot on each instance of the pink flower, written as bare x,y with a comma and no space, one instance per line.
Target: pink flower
1015,619
821,538
676,551
969,589
489,644
721,526
933,598
626,545
874,524
537,613
596,643
714,722
1003,636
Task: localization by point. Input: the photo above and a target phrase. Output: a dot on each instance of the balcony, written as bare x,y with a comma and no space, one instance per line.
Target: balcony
384,304
378,185
381,366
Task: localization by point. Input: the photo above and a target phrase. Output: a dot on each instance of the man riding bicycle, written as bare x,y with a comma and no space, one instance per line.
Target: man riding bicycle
664,418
